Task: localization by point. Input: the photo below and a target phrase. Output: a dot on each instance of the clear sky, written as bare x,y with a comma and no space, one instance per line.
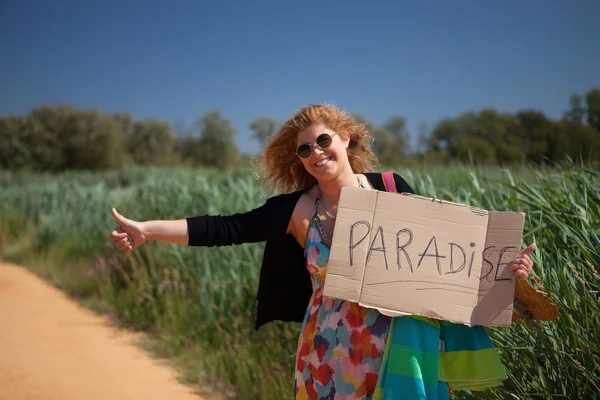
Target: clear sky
423,60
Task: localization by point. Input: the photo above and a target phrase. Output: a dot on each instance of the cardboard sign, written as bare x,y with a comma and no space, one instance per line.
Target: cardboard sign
411,255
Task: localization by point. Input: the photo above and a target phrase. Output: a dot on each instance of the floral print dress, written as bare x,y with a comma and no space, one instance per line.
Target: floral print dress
341,343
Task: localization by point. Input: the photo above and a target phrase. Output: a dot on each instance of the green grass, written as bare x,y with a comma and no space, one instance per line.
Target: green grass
198,304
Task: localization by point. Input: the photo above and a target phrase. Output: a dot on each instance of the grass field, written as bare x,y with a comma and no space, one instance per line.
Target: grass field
198,303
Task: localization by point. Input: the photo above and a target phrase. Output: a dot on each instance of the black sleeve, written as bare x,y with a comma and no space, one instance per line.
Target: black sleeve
248,227
401,185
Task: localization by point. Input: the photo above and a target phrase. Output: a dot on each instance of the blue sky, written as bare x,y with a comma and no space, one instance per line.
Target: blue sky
175,60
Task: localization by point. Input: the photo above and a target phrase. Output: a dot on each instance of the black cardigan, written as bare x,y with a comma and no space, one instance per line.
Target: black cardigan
284,287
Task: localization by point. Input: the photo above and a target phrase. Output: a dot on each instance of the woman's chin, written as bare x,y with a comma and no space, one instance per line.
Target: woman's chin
325,172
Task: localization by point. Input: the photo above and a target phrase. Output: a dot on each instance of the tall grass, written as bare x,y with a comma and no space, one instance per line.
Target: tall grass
199,302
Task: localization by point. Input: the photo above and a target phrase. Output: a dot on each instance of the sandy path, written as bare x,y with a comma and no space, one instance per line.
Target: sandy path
50,348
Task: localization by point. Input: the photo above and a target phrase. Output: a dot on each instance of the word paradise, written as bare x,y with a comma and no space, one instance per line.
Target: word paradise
404,239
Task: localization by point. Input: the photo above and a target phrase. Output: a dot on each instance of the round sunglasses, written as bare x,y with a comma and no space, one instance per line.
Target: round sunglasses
324,140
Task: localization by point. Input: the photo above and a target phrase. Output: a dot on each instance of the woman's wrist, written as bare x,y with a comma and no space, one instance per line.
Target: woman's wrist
147,230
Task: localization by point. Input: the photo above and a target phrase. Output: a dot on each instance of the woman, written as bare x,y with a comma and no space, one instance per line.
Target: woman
313,155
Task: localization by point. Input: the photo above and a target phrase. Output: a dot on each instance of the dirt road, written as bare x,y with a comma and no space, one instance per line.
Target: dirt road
52,349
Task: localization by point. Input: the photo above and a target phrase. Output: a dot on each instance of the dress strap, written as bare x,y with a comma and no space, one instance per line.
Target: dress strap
316,220
316,206
360,184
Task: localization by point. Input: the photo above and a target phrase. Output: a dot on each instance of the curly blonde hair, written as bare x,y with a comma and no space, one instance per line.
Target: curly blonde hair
282,169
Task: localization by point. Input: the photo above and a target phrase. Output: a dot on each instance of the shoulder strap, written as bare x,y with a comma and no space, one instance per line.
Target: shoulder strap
389,182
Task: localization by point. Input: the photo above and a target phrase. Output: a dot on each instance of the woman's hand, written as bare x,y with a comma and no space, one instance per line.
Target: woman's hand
521,264
129,234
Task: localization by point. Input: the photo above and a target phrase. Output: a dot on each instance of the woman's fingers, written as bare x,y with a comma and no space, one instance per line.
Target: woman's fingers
123,240
127,248
522,273
521,267
516,267
529,249
524,260
118,234
125,243
118,217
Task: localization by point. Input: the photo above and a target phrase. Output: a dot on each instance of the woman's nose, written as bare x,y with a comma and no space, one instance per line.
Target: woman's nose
317,151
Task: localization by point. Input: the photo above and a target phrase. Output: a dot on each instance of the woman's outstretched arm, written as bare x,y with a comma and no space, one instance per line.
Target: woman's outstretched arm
130,234
205,230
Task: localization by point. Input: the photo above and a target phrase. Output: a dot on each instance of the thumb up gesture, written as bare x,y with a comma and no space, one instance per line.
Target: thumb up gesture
128,235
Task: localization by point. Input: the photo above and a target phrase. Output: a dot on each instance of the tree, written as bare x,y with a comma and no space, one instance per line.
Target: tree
217,147
42,131
90,141
264,127
535,130
488,135
152,142
58,138
576,111
360,119
423,135
471,149
499,129
125,122
15,147
391,141
592,101
443,134
577,141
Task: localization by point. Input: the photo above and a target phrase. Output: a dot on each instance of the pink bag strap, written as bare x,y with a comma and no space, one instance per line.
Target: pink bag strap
389,182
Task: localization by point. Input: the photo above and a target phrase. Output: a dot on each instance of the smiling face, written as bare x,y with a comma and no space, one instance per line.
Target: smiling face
285,172
324,163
